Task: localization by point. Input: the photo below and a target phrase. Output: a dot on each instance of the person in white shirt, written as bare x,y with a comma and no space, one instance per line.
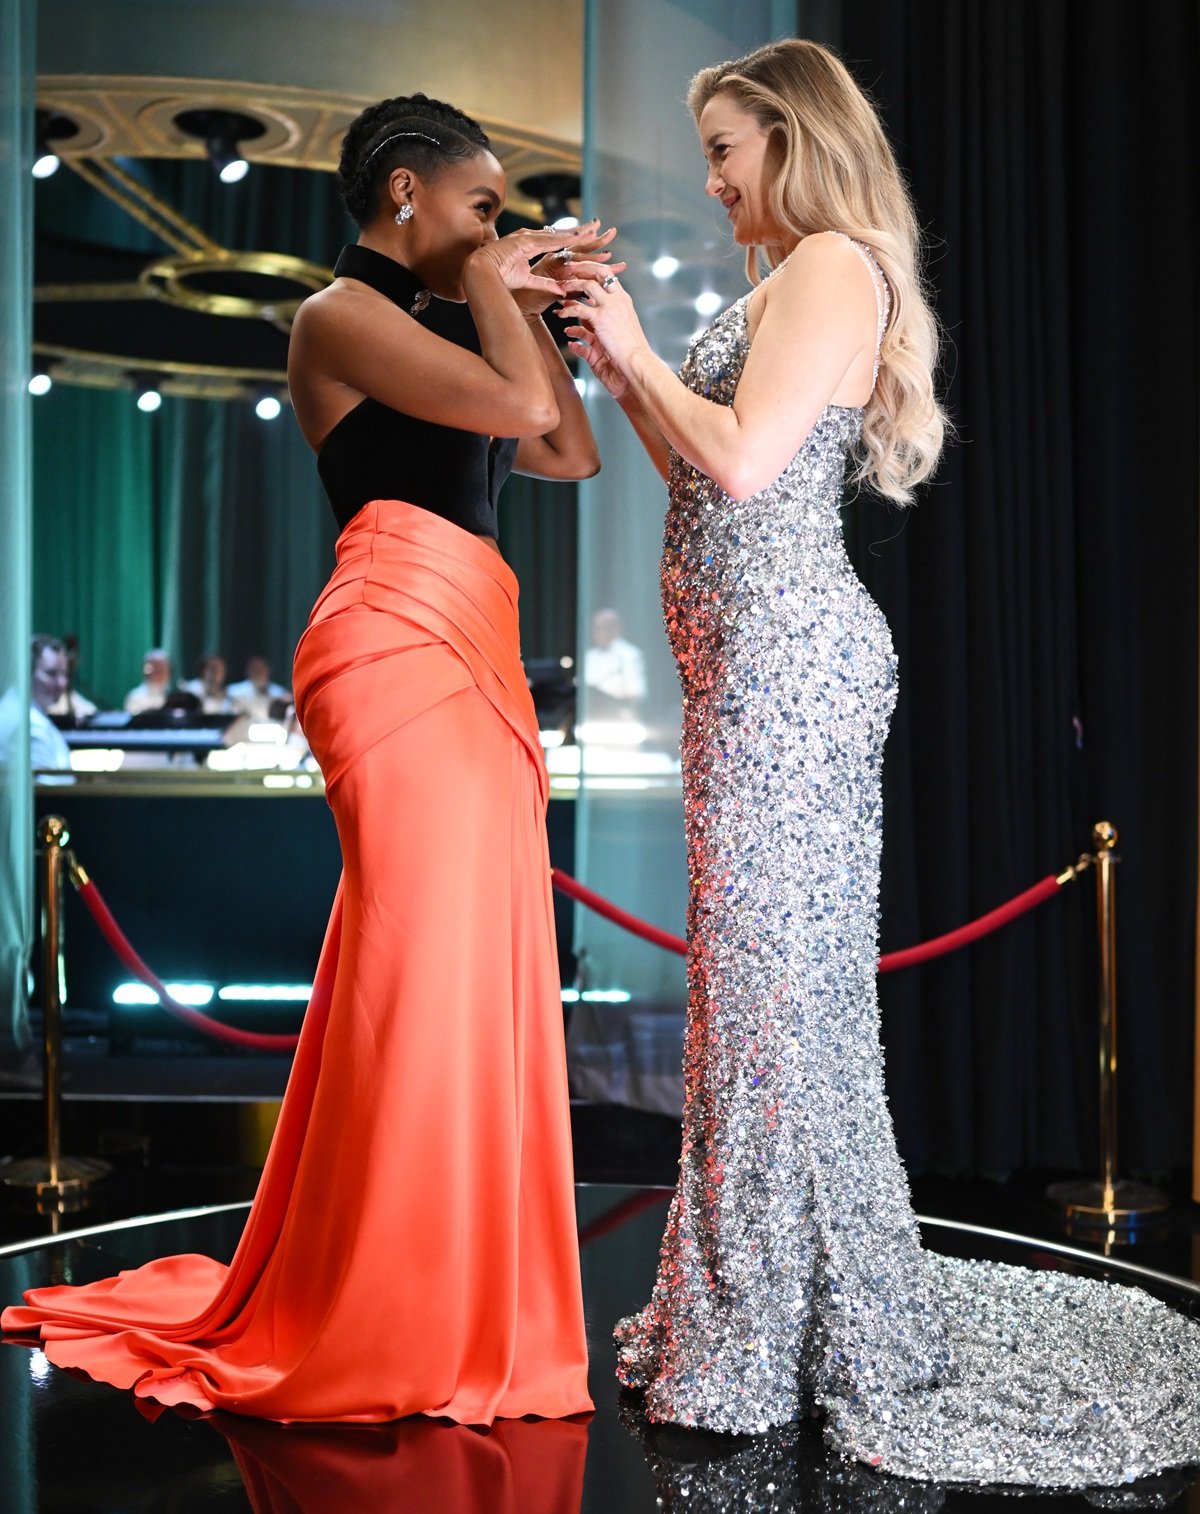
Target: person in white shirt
255,694
78,707
152,692
613,668
48,749
49,679
209,685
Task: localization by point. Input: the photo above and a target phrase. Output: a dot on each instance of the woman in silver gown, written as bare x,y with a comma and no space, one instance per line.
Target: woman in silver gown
791,1275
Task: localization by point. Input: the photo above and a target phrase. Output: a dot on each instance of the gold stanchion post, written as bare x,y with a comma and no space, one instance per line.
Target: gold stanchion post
1108,1203
54,1175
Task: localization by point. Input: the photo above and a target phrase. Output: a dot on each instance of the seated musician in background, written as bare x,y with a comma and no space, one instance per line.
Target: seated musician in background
614,670
153,691
47,683
209,685
73,708
255,694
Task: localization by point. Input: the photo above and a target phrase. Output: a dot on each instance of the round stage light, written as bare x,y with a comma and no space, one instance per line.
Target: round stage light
268,408
664,267
708,303
148,400
40,382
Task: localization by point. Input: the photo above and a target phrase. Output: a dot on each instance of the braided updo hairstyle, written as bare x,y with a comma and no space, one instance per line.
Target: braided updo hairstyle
368,158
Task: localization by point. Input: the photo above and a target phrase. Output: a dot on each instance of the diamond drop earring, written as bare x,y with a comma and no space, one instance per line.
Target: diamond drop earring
405,213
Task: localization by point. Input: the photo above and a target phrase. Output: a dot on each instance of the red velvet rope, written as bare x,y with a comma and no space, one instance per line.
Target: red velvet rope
259,1041
119,942
909,957
984,926
584,895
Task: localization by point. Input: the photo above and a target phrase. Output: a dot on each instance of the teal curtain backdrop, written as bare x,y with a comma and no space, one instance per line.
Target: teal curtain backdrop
16,796
200,527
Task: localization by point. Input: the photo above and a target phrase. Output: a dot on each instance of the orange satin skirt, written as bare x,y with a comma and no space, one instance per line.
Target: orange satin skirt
412,1247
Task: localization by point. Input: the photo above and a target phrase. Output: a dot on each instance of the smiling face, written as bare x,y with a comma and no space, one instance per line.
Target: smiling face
743,160
454,214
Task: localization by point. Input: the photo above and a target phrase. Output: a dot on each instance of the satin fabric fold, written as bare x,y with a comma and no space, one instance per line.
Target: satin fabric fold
412,1245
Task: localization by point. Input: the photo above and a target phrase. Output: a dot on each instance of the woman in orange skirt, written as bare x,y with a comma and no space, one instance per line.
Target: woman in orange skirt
412,1245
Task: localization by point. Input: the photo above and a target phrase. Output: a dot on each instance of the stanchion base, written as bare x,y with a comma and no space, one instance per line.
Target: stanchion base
74,1173
1125,1207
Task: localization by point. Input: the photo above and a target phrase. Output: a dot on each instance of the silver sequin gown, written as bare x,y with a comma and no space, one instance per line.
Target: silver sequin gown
791,1275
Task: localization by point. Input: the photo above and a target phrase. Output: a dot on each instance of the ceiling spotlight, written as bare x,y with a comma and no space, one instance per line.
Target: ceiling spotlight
40,381
49,127
148,396
665,266
553,191
222,132
268,407
708,303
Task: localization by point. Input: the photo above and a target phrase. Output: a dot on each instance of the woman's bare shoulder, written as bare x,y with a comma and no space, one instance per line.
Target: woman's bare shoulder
821,254
324,309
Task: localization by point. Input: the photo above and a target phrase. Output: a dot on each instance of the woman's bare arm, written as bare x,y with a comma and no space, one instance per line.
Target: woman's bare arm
569,450
348,343
813,346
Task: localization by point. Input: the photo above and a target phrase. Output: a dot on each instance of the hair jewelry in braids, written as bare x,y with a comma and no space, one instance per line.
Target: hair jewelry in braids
411,130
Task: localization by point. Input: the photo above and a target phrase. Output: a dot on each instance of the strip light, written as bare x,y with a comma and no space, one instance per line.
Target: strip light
197,995
265,993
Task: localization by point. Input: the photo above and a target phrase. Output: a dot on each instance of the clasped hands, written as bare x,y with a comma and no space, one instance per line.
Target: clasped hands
576,271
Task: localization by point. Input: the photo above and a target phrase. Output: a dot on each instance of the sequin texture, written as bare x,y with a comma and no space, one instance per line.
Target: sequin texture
791,1275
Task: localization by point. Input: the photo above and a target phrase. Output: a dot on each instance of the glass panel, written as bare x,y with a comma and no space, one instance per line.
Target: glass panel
16,247
643,170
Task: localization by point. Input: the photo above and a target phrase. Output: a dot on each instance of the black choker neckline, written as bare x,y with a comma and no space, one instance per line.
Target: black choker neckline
383,274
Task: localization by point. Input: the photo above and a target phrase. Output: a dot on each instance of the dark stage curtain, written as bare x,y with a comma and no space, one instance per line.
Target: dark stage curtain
1043,594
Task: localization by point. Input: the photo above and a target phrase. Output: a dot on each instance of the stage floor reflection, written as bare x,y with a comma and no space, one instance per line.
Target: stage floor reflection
69,1444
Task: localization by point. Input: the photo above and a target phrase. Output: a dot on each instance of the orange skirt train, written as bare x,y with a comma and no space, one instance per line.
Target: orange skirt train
411,1248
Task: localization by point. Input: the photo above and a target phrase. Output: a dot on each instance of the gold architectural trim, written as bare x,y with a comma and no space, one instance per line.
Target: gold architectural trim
62,294
167,280
104,370
157,206
93,176
128,115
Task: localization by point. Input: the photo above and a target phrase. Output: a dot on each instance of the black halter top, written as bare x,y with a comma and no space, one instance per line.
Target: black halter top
375,452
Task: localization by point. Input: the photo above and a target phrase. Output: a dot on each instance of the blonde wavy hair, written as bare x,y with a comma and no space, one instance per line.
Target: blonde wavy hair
838,173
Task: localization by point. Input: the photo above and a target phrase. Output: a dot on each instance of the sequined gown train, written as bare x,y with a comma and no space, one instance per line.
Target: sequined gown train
791,1275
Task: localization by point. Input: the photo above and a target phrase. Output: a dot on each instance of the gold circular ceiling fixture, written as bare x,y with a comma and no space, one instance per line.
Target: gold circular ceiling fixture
193,279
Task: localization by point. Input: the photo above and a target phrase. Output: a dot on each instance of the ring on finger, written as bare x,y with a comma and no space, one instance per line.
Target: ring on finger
608,282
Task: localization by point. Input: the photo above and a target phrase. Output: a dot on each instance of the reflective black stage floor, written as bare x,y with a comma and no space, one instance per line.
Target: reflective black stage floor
72,1445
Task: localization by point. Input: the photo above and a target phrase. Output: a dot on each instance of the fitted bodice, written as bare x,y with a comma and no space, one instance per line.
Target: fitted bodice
765,553
375,452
